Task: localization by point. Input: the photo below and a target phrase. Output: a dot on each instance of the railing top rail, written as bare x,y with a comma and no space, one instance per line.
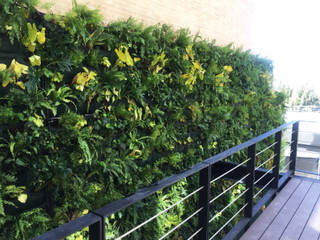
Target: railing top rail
70,227
141,194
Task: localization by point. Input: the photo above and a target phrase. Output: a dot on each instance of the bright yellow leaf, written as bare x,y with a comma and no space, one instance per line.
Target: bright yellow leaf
124,57
189,139
85,211
17,68
197,65
220,75
29,40
8,28
22,198
32,32
129,60
41,36
105,61
82,79
228,68
3,67
37,120
136,59
35,60
21,85
5,83
135,153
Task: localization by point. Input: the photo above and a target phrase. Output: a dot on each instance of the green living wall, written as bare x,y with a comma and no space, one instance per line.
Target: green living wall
91,113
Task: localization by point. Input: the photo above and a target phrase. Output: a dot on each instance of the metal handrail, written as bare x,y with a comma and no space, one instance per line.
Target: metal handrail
95,219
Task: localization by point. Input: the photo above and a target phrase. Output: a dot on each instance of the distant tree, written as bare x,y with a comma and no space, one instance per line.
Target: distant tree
301,97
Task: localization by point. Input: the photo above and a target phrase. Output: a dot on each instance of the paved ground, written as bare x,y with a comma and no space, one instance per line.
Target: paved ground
294,214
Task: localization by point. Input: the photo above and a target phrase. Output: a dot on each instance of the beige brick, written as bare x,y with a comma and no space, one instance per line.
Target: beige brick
224,20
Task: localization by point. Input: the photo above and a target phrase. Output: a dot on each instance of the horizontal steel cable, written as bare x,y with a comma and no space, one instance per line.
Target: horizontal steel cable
286,165
274,155
220,229
215,216
168,233
194,234
263,188
265,149
158,214
239,181
264,175
222,175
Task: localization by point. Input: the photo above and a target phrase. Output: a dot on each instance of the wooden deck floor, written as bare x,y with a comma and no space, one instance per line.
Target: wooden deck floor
293,214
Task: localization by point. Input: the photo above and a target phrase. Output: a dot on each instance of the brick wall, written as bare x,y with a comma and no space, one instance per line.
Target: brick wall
225,21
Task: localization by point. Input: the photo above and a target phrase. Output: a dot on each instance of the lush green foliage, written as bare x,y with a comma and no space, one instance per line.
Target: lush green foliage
91,113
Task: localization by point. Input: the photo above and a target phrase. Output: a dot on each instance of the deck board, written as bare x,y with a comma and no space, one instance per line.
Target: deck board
278,225
312,228
294,214
298,222
258,227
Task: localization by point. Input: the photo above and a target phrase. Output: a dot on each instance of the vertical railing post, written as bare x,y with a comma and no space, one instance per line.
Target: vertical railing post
97,230
204,198
276,159
250,180
294,146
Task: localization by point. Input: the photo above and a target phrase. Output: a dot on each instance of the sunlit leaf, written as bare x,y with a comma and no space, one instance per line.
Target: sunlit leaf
35,60
22,198
3,67
41,36
17,68
21,85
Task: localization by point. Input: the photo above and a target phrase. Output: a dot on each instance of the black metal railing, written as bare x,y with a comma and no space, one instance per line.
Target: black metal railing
262,179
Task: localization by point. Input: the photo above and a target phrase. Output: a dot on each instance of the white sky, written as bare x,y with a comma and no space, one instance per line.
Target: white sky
288,32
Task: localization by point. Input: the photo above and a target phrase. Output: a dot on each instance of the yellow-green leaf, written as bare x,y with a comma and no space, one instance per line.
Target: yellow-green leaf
22,198
32,32
41,36
21,85
228,68
106,62
5,83
35,60
120,55
129,60
8,28
31,47
3,67
17,68
136,59
124,57
37,120
57,77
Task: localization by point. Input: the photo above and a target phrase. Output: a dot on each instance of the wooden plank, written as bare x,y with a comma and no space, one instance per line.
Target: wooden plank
259,226
312,228
300,219
278,225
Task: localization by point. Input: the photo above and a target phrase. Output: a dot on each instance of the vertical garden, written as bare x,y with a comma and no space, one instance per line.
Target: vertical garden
90,113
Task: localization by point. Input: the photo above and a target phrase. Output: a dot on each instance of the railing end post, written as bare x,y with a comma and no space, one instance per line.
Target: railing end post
97,230
294,146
